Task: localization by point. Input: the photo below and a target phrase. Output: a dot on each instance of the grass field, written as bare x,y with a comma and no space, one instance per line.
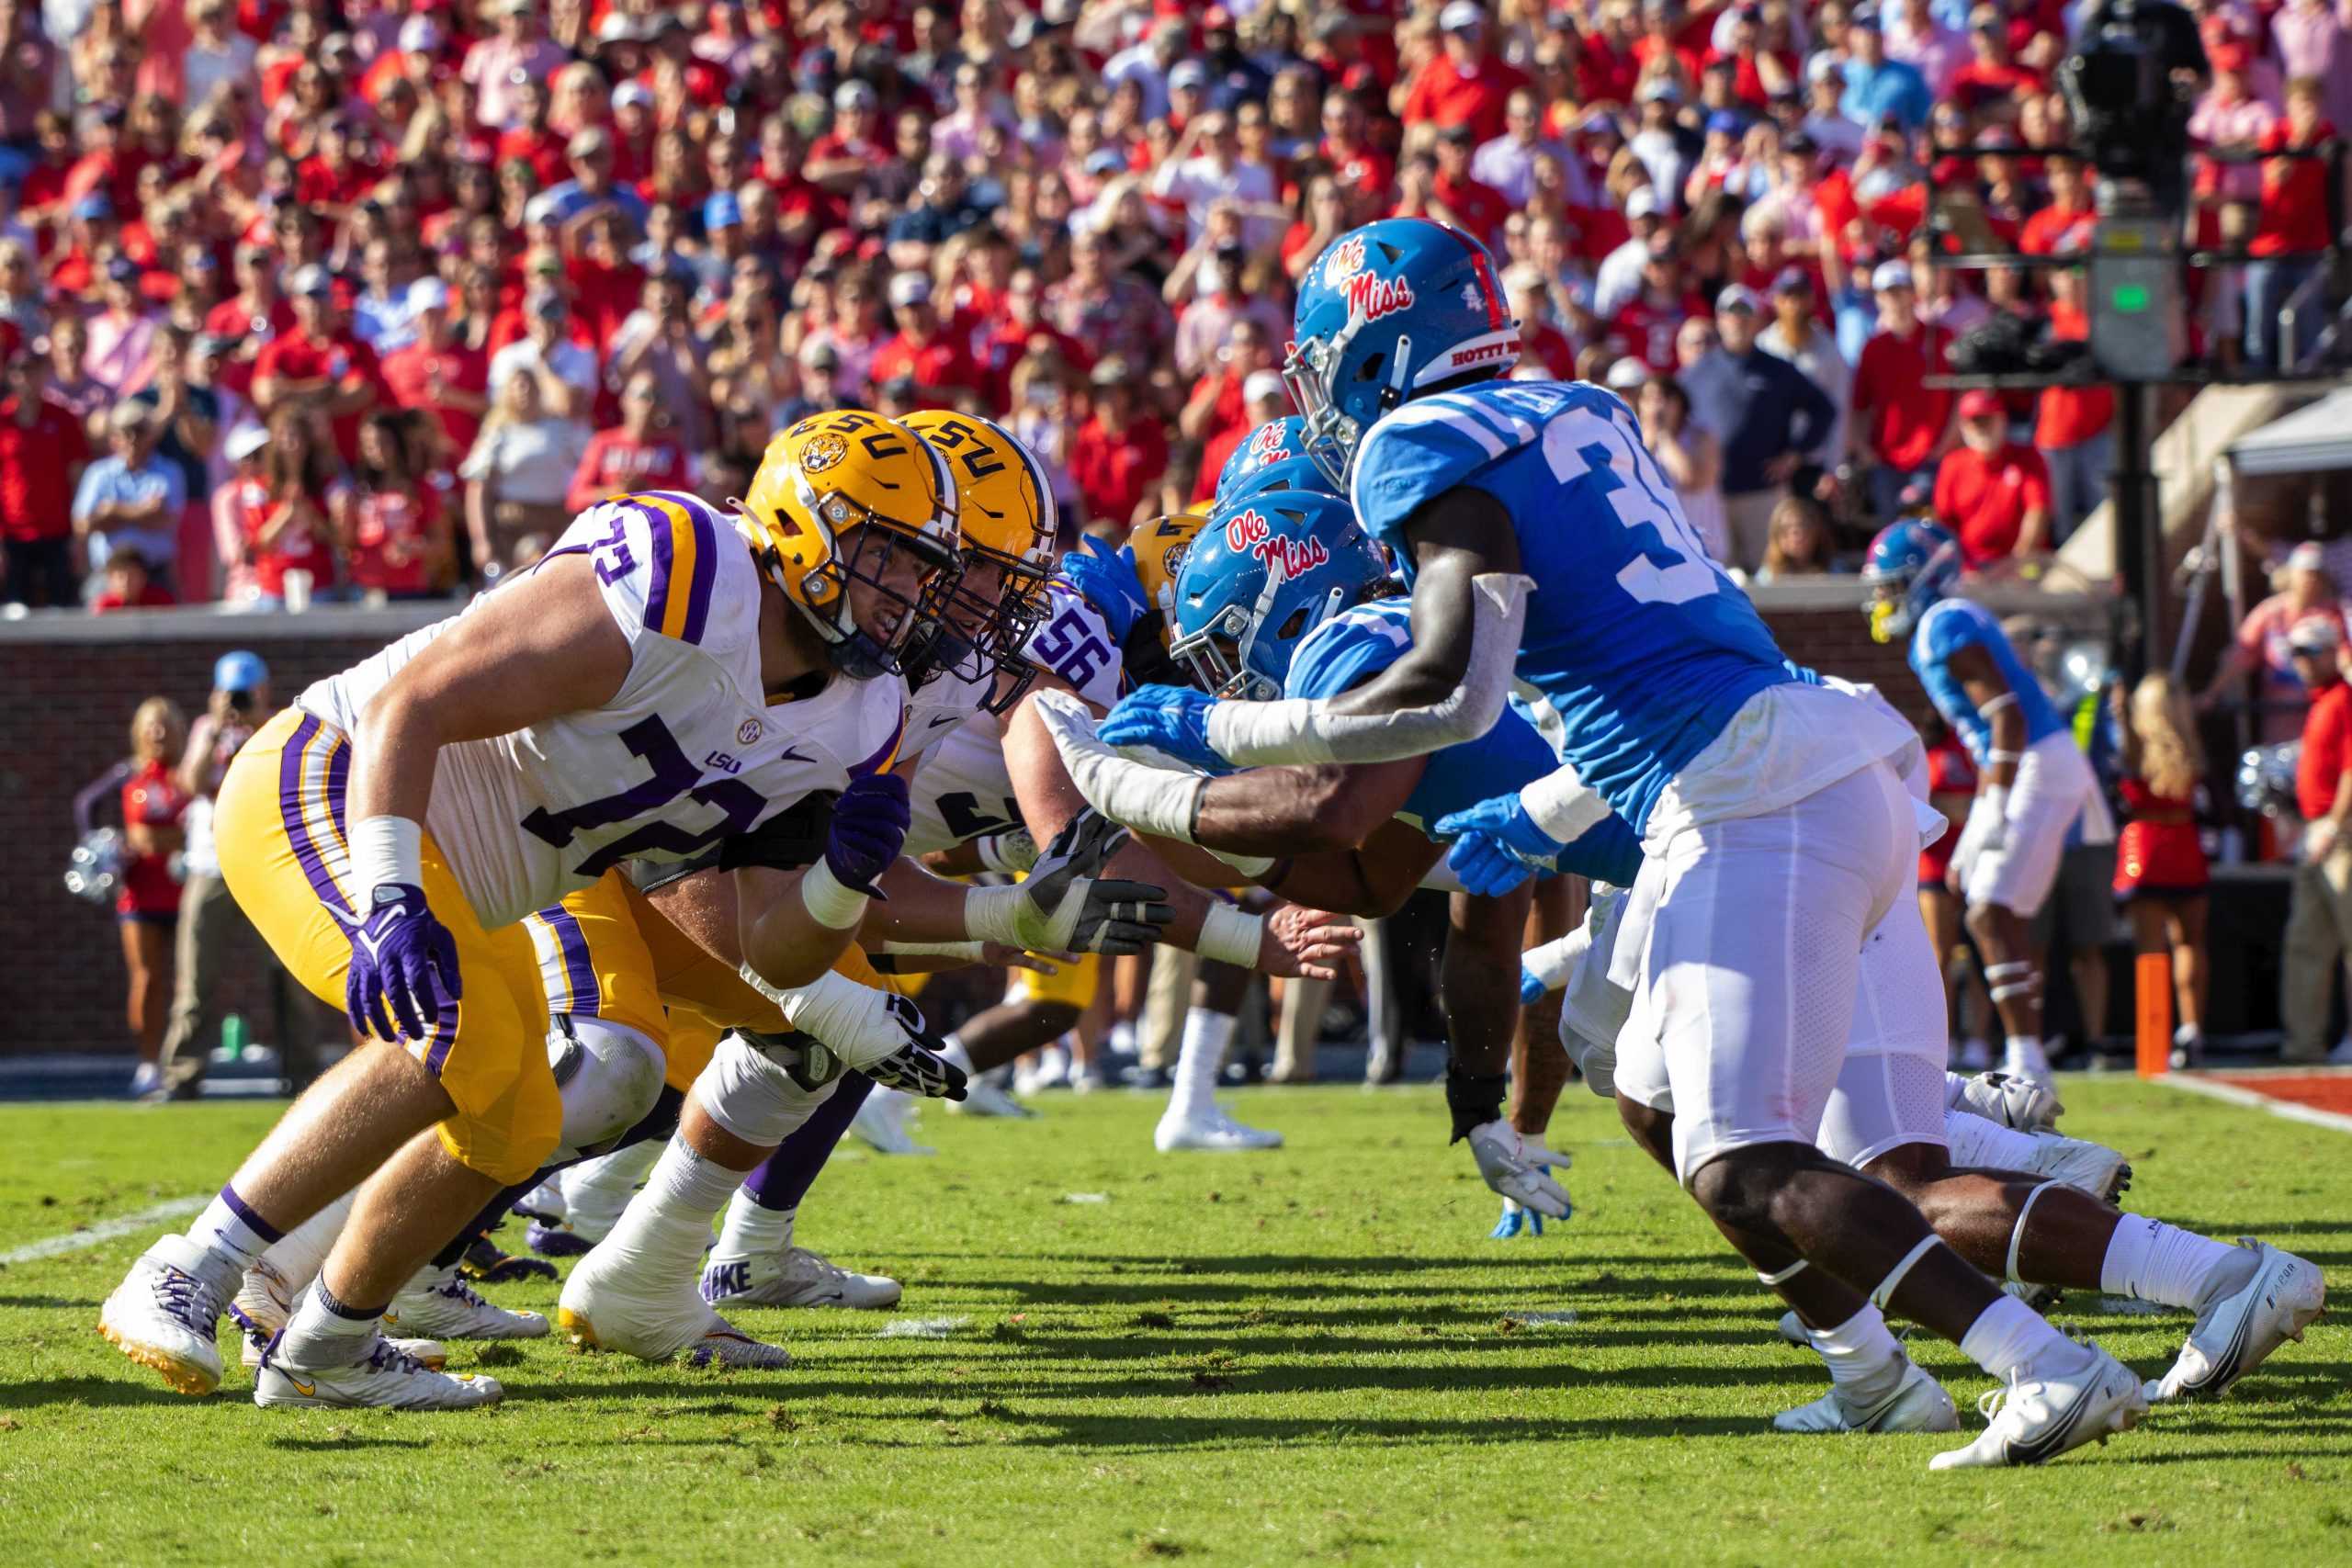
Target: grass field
1314,1356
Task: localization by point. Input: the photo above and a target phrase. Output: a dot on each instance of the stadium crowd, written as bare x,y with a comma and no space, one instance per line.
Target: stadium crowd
306,300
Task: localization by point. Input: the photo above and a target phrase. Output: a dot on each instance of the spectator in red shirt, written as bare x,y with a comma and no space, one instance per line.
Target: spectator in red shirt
1646,328
1464,84
1118,452
126,586
2071,427
42,448
1991,77
2319,911
2289,230
148,905
1610,65
640,453
1900,425
320,365
1990,492
1347,149
1000,345
1475,209
393,521
2067,217
280,504
440,373
922,351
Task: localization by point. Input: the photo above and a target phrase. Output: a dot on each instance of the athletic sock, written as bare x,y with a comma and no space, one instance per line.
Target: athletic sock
595,1191
2157,1262
230,1227
2010,1335
952,1050
1979,1144
668,1225
1206,1034
751,1231
324,1332
1865,1363
786,1176
2021,1055
298,1255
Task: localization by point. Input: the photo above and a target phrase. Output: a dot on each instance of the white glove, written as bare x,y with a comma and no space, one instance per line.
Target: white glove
1514,1167
1147,798
1986,829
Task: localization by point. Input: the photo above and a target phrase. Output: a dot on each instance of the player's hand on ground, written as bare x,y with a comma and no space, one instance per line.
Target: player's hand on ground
403,966
1496,845
1173,720
1107,579
1514,1165
870,822
1309,943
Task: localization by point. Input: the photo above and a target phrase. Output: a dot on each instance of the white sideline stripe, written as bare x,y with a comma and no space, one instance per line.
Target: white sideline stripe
105,1230
2231,1092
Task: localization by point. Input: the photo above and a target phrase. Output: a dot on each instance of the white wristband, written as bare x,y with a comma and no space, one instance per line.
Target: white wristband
1561,805
829,903
385,850
1554,961
1229,936
971,952
993,914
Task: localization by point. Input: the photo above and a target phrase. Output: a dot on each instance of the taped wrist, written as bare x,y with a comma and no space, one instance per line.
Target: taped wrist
1010,916
385,850
1229,936
969,952
1554,961
855,1022
1302,729
1148,799
1011,852
829,903
1473,1099
1561,805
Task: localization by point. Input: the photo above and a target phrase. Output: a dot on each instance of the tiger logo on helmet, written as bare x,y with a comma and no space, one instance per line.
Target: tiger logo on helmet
837,498
1005,509
1160,547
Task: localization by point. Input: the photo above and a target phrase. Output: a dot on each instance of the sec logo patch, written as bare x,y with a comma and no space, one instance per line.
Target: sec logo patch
749,734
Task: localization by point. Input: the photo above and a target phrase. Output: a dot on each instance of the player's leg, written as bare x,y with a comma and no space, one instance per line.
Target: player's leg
1300,1030
755,1261
1479,991
1194,1119
1539,1064
2008,887
2183,935
1036,1010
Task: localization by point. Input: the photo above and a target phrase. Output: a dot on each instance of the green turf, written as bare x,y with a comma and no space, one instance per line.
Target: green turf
1307,1356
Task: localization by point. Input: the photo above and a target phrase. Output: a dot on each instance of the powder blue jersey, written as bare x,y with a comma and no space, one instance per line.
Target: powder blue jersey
1636,643
1951,624
1354,646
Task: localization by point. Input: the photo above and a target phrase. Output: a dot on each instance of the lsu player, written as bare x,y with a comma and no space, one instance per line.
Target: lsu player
2034,781
1282,598
1667,703
664,678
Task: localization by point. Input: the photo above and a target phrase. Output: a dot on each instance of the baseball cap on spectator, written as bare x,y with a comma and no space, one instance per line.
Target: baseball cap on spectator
1865,17
1111,372
2315,634
821,355
214,346
854,94
310,282
587,142
1979,403
1891,275
1739,297
1261,384
909,288
1658,90
1793,280
630,93
1802,144
130,416
428,294
241,669
619,27
420,35
1104,161
1644,203
1627,374
2309,556
721,210
2229,55
1820,65
1189,73
548,304
1579,292
120,268
1724,122
1461,16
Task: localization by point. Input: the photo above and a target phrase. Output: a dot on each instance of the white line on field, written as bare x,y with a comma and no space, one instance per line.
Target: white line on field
105,1230
2231,1092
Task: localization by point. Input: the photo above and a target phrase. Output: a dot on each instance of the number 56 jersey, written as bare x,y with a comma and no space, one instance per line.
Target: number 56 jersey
686,752
1640,658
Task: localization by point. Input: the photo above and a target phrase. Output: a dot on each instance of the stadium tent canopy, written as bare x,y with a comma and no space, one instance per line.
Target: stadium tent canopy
2311,440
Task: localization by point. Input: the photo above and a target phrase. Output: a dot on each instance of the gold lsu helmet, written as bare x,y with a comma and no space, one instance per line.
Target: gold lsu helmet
844,473
1005,508
1160,547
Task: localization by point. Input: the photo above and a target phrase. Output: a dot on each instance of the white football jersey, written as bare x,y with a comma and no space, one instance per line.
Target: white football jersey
687,753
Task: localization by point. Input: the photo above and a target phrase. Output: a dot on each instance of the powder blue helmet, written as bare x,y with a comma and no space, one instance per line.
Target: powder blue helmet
1274,457
1262,574
1390,311
1909,565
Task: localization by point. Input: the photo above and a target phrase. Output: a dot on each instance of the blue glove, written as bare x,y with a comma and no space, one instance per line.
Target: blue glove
1107,579
1531,989
870,823
1496,845
403,966
1173,720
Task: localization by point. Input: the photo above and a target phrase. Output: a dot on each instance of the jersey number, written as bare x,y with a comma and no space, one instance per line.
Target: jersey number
1068,647
1578,444
962,814
673,774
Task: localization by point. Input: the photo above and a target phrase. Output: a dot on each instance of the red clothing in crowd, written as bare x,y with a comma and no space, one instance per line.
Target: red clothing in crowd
2071,415
150,797
2293,214
295,356
1213,454
295,550
941,361
1950,770
2327,751
1982,497
617,463
1444,94
391,534
1907,416
37,465
152,596
408,376
1646,331
1480,208
2158,850
1113,472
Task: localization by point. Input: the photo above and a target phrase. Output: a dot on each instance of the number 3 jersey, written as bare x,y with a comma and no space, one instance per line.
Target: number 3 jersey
686,752
1641,662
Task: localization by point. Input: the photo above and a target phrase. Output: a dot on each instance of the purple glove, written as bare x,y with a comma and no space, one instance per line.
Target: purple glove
401,954
870,821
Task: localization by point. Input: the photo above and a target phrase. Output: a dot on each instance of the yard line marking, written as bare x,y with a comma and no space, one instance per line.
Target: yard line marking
105,1230
2237,1096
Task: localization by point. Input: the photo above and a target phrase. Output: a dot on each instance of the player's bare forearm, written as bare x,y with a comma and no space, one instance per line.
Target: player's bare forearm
785,944
1299,811
1370,882
956,860
544,646
1985,686
1462,535
915,907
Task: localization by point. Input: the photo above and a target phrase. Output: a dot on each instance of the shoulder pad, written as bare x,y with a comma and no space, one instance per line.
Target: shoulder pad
1427,447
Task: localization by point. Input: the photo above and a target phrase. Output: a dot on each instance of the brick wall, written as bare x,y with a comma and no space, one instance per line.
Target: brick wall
66,702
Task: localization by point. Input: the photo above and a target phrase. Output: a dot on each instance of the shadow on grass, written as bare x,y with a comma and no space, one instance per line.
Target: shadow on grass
127,1390
44,1303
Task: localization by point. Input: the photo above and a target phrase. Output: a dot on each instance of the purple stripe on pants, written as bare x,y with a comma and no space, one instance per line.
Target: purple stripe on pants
786,1175
579,973
298,829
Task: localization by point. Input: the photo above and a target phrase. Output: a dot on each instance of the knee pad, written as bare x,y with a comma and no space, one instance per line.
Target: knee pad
751,1096
608,1073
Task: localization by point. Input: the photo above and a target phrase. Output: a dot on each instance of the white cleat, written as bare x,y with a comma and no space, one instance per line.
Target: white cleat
1917,1404
1211,1129
432,1352
605,1307
883,1122
2237,1333
384,1377
982,1097
2094,1169
166,1312
263,1301
1791,1329
2012,1101
2039,1416
544,1202
794,1278
438,1304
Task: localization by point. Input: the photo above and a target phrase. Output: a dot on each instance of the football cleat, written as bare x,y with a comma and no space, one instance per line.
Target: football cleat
383,1377
438,1304
2012,1101
166,1312
1211,1129
544,1201
487,1263
263,1301
431,1352
2094,1169
1918,1404
605,1307
557,1240
882,1122
2237,1333
1791,1329
982,1097
792,1278
2041,1415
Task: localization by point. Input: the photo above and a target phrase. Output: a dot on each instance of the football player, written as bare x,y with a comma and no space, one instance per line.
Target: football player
1775,831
